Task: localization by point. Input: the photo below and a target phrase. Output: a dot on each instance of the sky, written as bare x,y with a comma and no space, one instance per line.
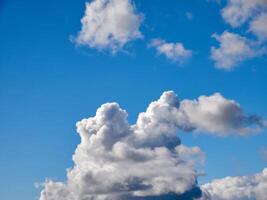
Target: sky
56,70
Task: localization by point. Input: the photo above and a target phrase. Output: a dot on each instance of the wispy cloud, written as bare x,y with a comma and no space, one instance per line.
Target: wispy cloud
189,16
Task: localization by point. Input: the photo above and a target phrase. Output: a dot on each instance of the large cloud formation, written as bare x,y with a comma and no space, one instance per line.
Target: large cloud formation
109,24
117,161
252,187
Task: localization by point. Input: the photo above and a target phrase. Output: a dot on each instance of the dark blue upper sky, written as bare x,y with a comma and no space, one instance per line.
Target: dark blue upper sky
47,83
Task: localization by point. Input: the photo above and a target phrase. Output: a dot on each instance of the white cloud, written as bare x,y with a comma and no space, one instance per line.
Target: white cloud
237,12
220,116
109,24
252,187
233,49
175,52
258,26
117,161
212,114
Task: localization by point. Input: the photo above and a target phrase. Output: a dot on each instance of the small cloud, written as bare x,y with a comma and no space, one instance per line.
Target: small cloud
258,26
175,52
233,49
238,12
249,187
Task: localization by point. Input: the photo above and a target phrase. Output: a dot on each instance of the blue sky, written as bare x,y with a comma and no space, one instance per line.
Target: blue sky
48,83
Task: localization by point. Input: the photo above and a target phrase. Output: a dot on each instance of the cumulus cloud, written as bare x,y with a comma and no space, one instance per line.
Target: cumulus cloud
212,114
252,187
220,116
109,24
238,12
258,26
175,52
117,161
233,49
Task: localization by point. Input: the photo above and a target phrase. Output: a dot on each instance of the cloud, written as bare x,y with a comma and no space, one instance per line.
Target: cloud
189,16
117,161
211,114
237,12
109,24
252,187
258,26
263,153
233,49
175,52
220,116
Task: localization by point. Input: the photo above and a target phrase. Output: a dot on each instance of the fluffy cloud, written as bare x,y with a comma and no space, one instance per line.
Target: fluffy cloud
252,187
238,12
232,50
212,114
259,26
117,161
220,116
109,24
175,52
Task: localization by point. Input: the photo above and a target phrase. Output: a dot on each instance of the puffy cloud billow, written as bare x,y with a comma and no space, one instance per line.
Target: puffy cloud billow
252,187
237,12
233,49
146,160
259,26
109,24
